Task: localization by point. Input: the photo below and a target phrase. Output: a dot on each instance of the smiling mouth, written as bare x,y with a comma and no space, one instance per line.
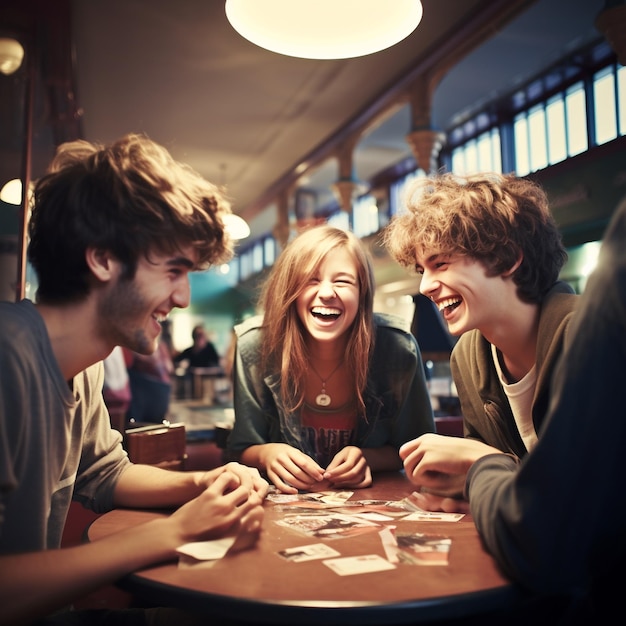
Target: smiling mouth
325,313
448,305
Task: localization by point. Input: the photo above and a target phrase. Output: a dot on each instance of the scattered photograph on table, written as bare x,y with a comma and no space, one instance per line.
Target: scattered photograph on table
349,565
328,526
433,516
421,515
308,553
420,549
320,499
377,510
374,510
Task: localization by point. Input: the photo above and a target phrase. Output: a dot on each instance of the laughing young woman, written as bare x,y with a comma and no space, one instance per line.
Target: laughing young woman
326,391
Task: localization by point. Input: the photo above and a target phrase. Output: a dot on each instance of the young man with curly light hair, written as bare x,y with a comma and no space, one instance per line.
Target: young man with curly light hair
489,253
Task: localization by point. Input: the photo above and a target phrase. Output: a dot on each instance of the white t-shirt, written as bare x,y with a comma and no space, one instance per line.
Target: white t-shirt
520,395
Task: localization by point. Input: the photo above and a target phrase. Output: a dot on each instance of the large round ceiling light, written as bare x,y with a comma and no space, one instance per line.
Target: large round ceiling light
324,29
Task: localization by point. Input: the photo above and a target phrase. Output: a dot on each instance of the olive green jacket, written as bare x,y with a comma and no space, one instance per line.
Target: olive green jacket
487,415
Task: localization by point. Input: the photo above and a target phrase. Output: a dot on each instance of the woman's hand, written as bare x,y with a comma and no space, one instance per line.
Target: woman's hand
349,468
289,469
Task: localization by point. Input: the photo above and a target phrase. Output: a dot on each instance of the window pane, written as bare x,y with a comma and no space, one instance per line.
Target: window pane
496,150
485,162
398,189
257,257
604,100
233,273
340,220
458,161
555,117
245,265
471,157
365,216
522,161
537,134
270,251
576,117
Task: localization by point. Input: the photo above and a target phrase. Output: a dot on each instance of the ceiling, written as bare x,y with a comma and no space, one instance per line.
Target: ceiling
260,123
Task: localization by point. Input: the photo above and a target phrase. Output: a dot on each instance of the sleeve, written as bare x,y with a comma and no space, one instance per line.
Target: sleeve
181,356
103,458
558,521
213,356
416,414
252,422
13,395
469,398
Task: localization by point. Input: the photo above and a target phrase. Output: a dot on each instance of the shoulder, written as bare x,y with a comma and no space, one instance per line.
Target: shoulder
393,337
249,337
557,309
560,299
471,347
251,326
20,324
389,323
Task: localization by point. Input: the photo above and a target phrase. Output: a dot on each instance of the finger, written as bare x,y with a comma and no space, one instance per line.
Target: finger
348,472
304,470
260,485
306,467
225,482
280,484
357,479
409,447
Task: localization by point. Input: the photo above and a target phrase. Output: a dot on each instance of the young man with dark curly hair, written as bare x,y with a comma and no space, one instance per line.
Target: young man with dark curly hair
114,232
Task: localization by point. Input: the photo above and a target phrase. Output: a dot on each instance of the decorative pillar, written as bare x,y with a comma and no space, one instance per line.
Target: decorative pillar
344,191
347,184
281,230
426,145
611,22
425,142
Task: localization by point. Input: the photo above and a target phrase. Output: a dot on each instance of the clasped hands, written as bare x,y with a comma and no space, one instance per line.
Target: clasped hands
437,465
292,470
231,504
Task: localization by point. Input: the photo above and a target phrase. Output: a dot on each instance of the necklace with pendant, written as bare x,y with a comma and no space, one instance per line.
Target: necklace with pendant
322,398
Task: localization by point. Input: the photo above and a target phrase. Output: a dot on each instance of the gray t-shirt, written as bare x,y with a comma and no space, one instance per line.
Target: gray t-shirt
56,441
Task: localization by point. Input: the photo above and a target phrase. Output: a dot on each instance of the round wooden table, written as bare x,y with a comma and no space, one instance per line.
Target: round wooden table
258,585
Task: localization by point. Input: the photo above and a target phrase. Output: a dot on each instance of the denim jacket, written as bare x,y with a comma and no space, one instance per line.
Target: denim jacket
396,398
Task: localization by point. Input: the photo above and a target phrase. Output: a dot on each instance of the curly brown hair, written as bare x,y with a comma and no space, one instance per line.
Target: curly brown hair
131,198
491,217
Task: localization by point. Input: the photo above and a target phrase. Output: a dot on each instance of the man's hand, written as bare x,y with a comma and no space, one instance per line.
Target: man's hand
248,476
230,504
438,464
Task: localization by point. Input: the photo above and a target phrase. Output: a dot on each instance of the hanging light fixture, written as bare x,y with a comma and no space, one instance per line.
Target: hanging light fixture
236,226
324,29
11,55
11,192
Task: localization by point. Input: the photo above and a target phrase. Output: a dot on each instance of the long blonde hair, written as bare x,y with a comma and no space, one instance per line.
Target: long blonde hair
284,350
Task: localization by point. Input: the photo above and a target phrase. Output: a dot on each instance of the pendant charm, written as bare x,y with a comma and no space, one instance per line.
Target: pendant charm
323,399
